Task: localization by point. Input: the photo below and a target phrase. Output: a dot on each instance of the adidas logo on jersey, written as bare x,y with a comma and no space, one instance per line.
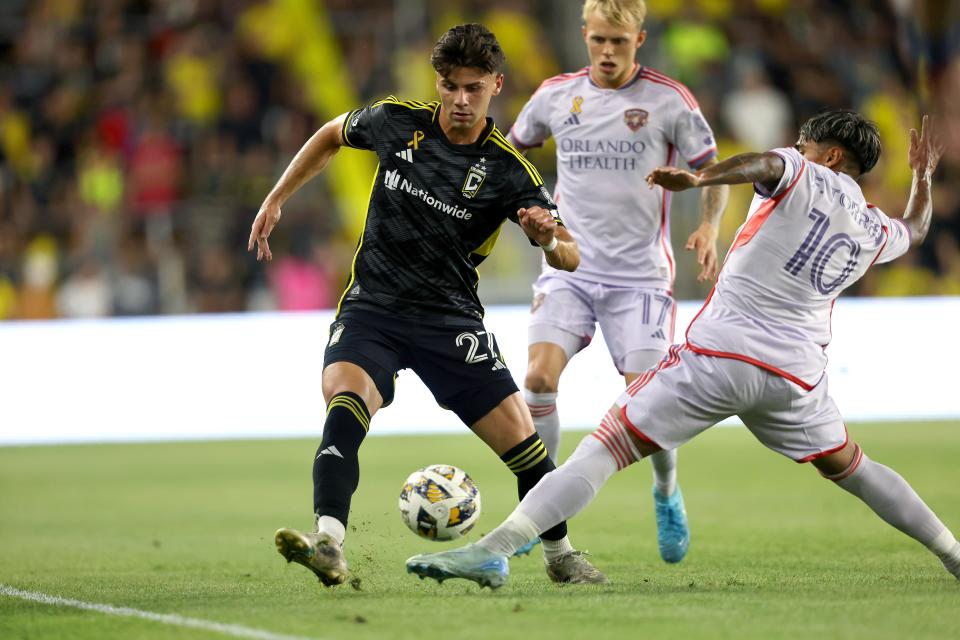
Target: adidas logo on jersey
575,111
658,334
330,451
406,154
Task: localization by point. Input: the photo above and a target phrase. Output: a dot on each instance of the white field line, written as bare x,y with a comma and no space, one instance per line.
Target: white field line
166,618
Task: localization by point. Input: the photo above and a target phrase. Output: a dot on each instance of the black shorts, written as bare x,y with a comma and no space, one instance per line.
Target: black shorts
461,364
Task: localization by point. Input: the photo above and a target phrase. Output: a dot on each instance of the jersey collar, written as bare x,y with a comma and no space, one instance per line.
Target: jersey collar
638,68
477,145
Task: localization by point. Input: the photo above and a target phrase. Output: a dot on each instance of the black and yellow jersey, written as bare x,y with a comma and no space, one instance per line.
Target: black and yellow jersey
435,210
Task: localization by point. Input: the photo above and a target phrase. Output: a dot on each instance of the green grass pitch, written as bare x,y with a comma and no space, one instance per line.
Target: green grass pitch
187,528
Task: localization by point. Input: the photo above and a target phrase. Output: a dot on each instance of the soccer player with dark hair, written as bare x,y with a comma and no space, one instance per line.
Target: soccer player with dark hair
756,349
447,181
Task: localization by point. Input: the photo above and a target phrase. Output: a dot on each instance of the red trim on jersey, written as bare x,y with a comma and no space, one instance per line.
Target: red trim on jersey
520,144
655,76
695,163
640,434
886,237
746,234
671,359
560,79
757,363
843,474
664,206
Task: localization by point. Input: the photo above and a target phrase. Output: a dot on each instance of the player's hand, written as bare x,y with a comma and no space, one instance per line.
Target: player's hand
267,218
538,224
673,179
925,149
704,242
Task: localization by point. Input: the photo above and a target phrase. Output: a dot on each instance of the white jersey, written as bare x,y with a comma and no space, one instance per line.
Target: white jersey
803,243
608,140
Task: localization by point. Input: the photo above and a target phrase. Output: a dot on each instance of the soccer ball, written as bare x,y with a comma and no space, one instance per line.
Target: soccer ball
440,502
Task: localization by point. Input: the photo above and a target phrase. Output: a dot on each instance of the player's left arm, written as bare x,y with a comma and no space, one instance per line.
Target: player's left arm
704,239
559,247
923,157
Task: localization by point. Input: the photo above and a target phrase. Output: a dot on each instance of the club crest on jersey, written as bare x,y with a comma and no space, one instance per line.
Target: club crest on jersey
575,111
475,177
635,118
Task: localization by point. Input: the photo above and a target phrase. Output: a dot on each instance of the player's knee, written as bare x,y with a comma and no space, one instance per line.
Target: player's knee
539,380
341,377
839,464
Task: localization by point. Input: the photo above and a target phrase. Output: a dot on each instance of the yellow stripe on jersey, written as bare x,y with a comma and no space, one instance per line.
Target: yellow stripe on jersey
353,265
497,134
353,407
409,104
487,246
504,144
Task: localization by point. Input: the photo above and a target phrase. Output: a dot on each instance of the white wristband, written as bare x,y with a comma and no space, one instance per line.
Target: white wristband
549,248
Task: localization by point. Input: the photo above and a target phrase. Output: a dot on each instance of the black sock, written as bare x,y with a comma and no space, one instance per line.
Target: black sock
529,462
336,469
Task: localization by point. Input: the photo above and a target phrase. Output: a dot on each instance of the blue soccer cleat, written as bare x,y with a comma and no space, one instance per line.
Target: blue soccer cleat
471,562
673,534
527,548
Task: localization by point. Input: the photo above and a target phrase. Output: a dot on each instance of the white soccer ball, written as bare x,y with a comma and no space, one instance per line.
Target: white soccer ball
440,502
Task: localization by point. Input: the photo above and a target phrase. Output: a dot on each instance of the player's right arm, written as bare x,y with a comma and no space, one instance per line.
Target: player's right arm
765,169
532,127
923,156
309,161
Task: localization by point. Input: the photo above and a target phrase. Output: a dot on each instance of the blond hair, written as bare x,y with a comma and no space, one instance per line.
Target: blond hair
623,13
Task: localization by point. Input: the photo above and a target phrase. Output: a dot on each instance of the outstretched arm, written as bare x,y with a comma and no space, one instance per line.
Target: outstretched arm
763,168
309,161
704,239
559,247
924,154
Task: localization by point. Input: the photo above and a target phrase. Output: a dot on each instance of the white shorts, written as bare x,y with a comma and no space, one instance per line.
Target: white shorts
566,311
688,393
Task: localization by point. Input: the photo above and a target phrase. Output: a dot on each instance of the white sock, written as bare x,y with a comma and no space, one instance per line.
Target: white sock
543,410
553,549
516,531
665,472
332,527
558,496
888,494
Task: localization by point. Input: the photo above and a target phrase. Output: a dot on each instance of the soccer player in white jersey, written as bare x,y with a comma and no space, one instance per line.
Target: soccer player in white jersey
613,123
756,349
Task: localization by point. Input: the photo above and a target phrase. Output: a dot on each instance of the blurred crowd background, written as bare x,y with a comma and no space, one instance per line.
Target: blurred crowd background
138,137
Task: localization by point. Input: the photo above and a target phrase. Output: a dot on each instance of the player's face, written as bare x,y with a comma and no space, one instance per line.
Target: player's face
465,97
612,49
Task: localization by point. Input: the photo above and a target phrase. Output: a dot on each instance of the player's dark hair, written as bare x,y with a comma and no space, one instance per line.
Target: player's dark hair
850,130
467,45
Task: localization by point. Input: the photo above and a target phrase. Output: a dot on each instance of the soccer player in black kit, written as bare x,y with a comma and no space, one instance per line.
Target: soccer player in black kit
447,180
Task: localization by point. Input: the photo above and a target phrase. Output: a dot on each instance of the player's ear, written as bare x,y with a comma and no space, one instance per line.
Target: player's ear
641,38
833,157
498,84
